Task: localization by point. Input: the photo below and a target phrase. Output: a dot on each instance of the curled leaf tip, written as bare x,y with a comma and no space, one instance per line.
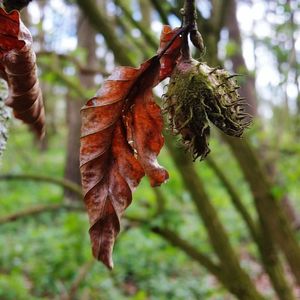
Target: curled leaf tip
107,261
158,177
105,256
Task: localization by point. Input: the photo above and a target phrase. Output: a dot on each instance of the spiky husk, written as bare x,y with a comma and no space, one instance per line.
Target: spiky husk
198,94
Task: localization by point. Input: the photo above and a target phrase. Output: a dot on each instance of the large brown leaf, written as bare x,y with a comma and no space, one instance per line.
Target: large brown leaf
121,138
18,68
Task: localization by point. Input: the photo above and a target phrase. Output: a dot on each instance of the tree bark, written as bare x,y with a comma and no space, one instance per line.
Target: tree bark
86,40
272,215
238,281
238,61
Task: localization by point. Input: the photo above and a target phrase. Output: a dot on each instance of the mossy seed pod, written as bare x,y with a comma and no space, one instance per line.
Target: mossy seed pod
198,94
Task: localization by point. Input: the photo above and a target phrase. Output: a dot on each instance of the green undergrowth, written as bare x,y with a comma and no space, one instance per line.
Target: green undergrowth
41,255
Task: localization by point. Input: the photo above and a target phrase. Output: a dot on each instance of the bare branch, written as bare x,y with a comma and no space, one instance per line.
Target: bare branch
38,209
235,199
82,273
58,181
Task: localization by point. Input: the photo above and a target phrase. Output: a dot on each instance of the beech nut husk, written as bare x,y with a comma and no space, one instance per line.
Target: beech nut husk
197,95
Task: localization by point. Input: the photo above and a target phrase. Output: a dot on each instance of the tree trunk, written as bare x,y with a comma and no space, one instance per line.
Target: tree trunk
146,9
238,281
274,219
86,40
238,62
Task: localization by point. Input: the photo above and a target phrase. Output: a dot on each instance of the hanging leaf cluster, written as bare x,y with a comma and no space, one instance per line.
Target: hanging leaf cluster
18,68
122,129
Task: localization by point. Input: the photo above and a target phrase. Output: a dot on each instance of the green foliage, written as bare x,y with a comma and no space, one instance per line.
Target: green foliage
232,49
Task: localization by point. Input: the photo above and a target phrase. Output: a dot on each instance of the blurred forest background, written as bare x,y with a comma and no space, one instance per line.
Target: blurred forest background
224,228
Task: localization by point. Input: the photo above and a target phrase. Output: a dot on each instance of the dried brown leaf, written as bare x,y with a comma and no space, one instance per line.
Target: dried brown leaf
121,138
109,167
18,68
169,59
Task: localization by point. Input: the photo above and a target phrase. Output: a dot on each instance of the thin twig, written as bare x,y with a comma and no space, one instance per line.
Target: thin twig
38,209
189,250
82,273
150,39
236,201
67,184
74,87
190,20
163,16
190,14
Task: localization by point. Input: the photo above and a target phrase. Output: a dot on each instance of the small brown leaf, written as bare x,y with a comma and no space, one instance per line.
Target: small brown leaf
144,124
169,59
18,68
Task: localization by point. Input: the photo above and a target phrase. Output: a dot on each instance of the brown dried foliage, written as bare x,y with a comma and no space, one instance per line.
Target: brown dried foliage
121,138
18,68
169,59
